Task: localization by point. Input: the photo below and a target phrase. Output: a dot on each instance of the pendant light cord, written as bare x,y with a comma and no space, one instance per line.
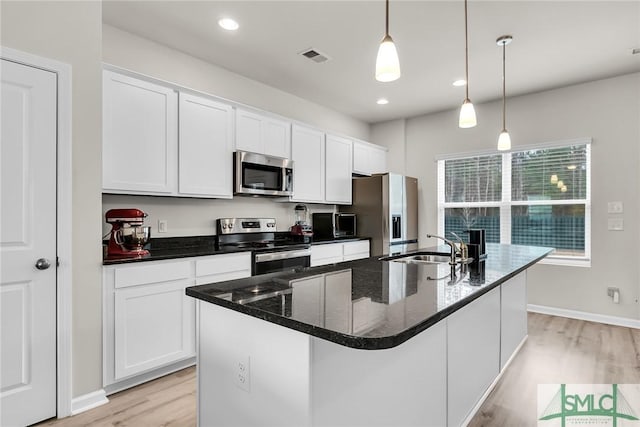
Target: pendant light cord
466,53
504,89
386,28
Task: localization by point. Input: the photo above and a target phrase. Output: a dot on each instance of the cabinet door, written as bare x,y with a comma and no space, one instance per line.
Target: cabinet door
361,158
139,141
338,170
369,158
377,160
473,342
308,300
249,131
154,326
277,138
307,151
337,304
206,148
513,314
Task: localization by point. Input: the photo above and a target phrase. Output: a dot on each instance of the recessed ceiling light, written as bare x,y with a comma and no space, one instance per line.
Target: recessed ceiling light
382,101
228,24
460,82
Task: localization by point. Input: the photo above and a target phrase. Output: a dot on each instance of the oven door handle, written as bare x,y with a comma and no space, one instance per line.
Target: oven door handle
274,256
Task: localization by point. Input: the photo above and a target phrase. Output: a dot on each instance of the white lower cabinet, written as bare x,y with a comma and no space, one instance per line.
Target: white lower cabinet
331,253
153,326
149,321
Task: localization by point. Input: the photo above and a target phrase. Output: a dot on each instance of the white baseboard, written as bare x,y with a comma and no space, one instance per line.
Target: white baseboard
88,401
493,384
582,315
148,376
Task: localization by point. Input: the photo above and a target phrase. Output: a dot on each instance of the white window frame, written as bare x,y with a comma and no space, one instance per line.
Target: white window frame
506,203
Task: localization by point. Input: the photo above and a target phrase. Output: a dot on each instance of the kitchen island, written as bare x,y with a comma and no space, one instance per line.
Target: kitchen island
366,342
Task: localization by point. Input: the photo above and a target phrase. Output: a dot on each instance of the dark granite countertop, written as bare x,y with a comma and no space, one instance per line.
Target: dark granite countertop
193,246
368,304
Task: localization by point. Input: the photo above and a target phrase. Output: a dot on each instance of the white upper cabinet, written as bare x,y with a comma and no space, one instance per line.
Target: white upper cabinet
369,158
308,154
205,148
338,170
262,134
140,137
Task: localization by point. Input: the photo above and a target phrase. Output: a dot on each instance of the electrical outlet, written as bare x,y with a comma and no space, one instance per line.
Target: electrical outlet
615,294
242,374
162,226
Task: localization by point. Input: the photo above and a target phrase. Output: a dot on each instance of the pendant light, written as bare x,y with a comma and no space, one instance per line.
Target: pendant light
467,112
387,62
504,140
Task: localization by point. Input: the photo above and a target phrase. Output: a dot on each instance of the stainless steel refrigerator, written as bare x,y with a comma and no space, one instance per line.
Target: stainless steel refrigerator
386,206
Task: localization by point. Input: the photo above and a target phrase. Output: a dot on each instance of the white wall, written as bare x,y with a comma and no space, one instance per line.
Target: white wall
606,110
70,32
391,134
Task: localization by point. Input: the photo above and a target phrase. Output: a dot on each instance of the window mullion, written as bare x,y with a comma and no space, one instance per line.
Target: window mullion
505,206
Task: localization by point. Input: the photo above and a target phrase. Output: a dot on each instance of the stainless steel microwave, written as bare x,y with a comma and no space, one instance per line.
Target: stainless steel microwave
257,174
333,225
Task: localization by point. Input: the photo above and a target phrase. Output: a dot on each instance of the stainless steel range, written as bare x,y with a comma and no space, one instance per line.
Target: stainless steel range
271,251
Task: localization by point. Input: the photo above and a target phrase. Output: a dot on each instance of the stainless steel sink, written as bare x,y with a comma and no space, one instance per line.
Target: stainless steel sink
420,258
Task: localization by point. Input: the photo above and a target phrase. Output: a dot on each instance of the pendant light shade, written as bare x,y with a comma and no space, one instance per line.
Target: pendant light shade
387,62
467,112
467,115
504,140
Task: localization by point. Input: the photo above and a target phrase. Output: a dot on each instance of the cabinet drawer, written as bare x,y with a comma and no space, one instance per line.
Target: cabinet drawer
151,272
356,248
225,267
332,250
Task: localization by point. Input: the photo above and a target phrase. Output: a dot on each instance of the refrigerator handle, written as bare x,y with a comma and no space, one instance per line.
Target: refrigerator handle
396,224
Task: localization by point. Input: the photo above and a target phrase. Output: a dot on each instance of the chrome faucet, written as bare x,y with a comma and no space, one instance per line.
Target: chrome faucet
464,249
454,250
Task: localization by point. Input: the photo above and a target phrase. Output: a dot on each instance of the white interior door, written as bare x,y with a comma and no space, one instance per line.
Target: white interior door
27,245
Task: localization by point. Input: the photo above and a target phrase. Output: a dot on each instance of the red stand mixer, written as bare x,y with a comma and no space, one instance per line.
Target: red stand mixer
128,236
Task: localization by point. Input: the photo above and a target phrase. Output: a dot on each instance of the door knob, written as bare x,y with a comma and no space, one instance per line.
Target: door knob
43,264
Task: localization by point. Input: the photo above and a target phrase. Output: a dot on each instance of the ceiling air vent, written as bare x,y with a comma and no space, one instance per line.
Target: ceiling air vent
315,55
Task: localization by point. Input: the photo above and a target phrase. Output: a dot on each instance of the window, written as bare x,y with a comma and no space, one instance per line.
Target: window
538,196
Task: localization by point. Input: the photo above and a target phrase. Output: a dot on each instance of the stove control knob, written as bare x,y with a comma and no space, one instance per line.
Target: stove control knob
230,226
224,226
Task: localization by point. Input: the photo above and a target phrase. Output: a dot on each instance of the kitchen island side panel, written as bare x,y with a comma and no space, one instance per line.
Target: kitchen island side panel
401,386
275,369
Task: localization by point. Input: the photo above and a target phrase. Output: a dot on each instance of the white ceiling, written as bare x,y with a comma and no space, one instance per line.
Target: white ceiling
556,43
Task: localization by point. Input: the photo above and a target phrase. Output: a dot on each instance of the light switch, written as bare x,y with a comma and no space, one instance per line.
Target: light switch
615,207
162,226
616,224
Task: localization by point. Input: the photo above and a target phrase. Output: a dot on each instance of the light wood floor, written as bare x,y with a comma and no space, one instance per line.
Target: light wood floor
558,350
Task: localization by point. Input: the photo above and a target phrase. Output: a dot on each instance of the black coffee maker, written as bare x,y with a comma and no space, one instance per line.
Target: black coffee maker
477,244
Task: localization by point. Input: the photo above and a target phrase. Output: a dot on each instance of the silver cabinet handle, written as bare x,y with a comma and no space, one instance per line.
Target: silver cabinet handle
43,264
274,256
